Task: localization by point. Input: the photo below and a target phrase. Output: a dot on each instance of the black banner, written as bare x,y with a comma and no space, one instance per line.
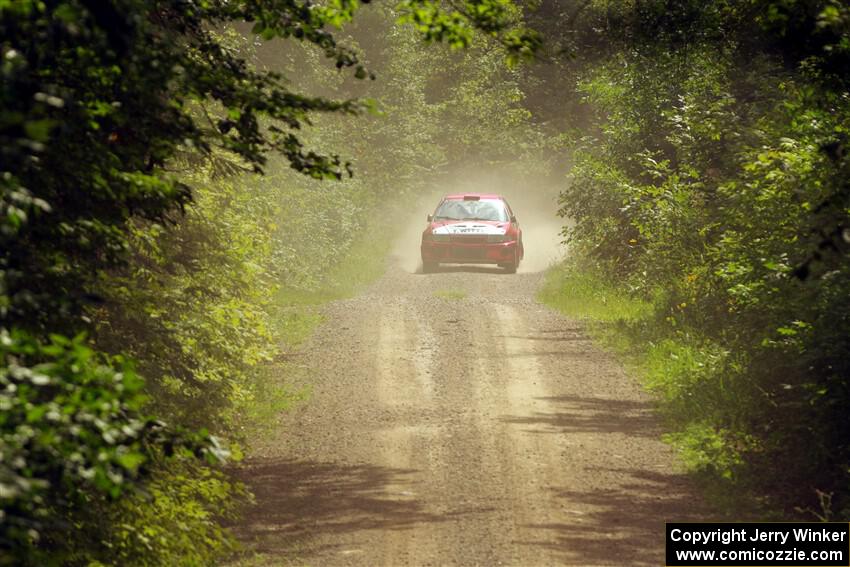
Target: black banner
806,544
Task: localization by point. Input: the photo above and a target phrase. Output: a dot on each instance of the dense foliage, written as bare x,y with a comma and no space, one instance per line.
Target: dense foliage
131,245
711,178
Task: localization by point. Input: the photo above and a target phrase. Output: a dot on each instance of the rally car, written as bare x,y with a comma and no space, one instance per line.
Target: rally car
472,228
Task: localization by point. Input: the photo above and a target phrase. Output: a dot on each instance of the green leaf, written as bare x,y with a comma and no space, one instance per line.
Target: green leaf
39,130
130,461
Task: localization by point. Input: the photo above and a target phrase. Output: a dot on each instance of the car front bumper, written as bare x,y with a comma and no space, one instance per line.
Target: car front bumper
472,253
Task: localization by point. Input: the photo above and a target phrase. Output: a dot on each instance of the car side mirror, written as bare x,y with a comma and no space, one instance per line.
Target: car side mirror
429,218
513,219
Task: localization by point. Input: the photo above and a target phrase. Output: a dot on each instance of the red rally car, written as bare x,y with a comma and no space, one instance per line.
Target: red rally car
472,228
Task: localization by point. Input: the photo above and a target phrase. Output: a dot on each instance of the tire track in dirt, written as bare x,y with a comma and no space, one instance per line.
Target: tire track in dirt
532,454
404,382
485,430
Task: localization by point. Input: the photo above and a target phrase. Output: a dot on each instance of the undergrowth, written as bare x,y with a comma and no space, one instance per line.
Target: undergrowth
297,309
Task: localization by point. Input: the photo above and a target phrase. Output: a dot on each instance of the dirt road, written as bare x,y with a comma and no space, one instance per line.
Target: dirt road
476,430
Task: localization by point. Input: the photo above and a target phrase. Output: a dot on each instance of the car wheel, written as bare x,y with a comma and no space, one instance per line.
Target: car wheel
510,267
429,267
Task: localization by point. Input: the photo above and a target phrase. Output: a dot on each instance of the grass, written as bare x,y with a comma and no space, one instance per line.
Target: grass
365,261
583,295
451,294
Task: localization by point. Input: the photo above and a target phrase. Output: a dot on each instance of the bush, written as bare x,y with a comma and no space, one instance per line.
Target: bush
717,173
72,432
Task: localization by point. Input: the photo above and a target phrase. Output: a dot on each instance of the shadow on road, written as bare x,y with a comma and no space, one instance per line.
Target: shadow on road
574,414
627,523
299,501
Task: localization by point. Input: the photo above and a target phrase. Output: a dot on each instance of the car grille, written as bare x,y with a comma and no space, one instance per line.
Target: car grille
469,253
469,238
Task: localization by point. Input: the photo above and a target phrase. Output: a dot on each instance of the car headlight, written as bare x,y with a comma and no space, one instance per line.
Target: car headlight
438,237
493,238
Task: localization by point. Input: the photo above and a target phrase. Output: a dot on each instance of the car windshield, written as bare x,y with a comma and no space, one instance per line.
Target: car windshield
483,209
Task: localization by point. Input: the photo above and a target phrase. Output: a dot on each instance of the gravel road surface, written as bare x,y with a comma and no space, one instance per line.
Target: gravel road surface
476,430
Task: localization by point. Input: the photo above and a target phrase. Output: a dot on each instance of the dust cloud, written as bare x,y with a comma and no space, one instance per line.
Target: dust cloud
534,203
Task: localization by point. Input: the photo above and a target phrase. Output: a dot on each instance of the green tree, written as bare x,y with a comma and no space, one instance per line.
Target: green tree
98,101
712,180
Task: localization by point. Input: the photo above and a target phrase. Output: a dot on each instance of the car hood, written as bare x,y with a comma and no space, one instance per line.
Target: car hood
469,227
